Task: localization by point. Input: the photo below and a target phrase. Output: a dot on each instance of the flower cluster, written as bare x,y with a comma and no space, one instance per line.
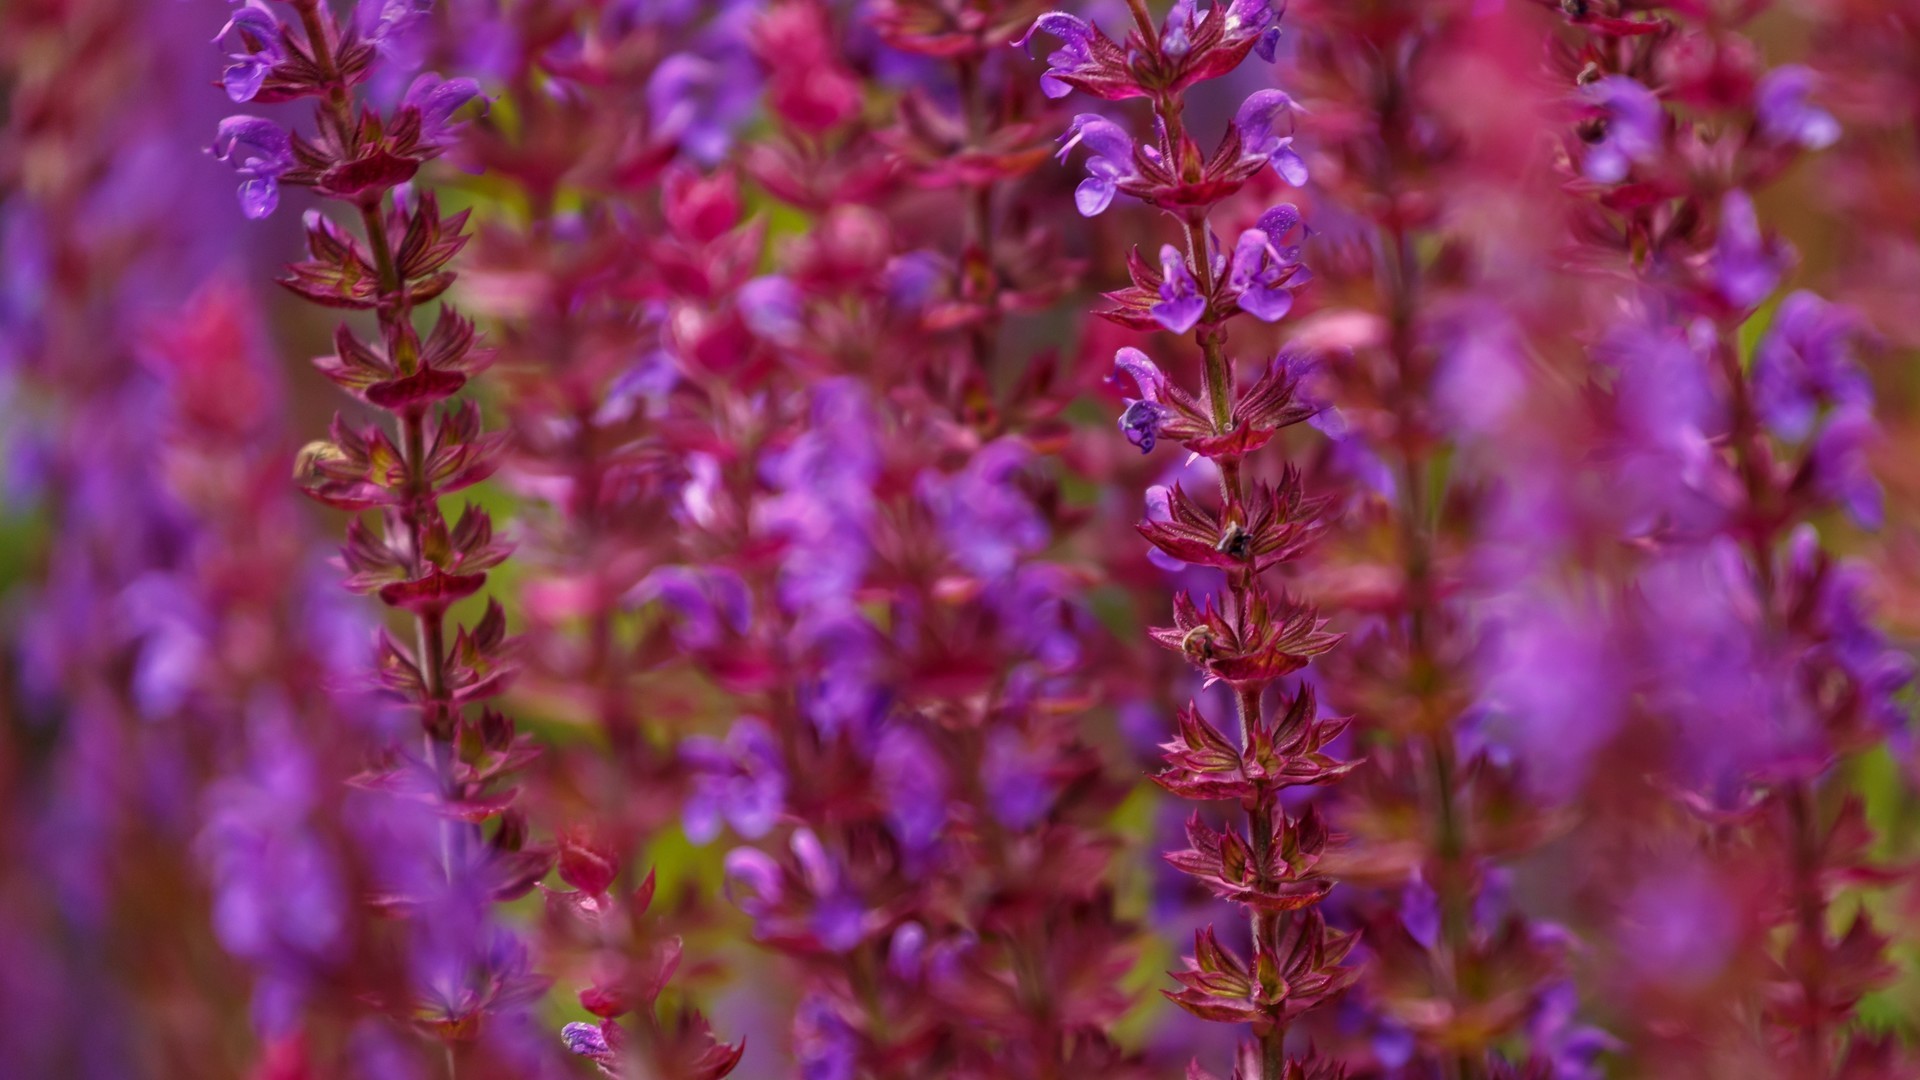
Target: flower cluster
1250,636
749,663
1769,432
469,977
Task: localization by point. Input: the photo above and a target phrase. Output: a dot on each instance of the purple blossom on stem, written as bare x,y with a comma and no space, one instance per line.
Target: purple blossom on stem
437,99
1109,162
1805,362
1259,125
1263,272
253,39
740,782
986,520
1244,16
1782,102
1073,57
1629,128
1181,304
1746,264
261,151
397,28
1839,470
1143,417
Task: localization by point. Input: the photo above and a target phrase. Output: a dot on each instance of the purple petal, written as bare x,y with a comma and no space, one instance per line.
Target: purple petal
259,197
1179,314
1267,305
1068,28
1093,196
1290,165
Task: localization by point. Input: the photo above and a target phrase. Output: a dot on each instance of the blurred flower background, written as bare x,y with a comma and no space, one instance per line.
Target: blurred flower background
952,538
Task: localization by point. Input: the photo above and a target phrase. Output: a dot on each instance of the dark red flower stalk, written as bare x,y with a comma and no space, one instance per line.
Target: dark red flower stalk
431,447
1252,636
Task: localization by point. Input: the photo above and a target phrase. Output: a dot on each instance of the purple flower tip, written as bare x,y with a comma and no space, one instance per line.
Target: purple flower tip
587,1040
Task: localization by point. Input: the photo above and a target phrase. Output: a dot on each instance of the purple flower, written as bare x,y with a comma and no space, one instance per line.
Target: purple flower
588,1041
397,28
280,898
1849,638
259,150
1109,162
984,518
253,38
1181,304
753,881
1746,266
914,279
740,782
1420,911
1142,418
1017,777
913,784
1630,129
1806,361
1780,101
1176,36
1258,122
1552,686
699,101
437,100
1262,270
1140,422
1572,1049
1837,465
1248,16
1664,404
771,308
838,920
826,1046
1074,55
711,602
825,484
